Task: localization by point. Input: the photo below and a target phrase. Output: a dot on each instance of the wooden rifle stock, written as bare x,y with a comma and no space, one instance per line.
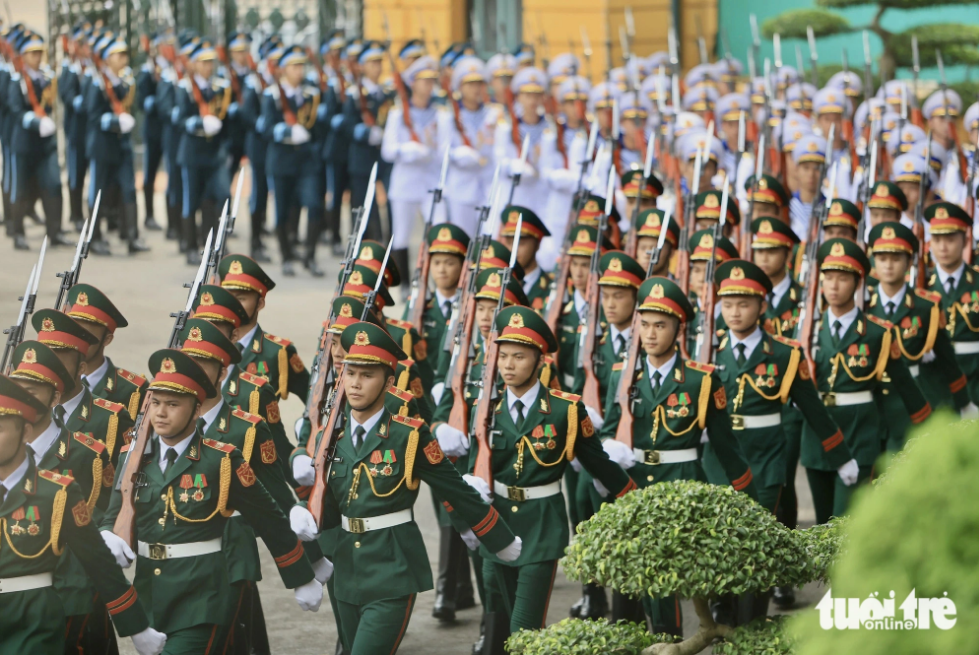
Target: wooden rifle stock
125,525
456,118
327,439
317,394
202,107
110,92
459,415
625,392
484,411
320,77
232,75
288,115
418,311
591,394
36,106
365,114
514,123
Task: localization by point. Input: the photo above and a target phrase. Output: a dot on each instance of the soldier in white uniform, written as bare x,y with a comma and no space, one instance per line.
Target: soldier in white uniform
500,69
413,152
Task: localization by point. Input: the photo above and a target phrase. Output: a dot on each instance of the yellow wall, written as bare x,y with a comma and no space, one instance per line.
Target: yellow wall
442,21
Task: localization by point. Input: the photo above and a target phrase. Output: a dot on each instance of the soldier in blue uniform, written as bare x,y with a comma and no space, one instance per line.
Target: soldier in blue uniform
152,130
336,146
236,71
166,106
69,85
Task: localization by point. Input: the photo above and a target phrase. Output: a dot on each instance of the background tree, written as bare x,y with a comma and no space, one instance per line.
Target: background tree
956,41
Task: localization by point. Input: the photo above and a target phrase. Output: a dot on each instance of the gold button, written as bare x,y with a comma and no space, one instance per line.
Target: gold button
356,544
513,509
163,496
157,571
334,473
649,478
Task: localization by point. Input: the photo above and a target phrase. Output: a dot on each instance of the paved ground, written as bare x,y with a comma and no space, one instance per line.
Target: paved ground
146,289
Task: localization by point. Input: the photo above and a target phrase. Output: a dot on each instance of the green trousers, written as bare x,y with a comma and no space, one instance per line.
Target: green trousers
205,639
788,506
32,621
664,614
830,497
376,628
527,588
90,633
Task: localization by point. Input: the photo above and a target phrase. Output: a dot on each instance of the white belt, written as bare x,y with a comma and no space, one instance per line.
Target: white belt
915,370
177,551
520,494
739,422
360,526
26,582
966,347
833,399
664,456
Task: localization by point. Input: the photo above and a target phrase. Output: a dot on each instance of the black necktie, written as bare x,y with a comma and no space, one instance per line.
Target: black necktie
771,299
518,405
837,332
741,358
890,307
657,377
620,344
171,456
446,308
359,433
3,493
950,284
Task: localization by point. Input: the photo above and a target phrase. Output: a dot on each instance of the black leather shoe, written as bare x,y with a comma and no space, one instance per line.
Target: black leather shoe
313,268
288,270
172,234
339,250
441,609
596,603
77,224
60,240
20,242
151,224
575,611
466,603
32,214
193,257
260,255
137,246
100,248
784,597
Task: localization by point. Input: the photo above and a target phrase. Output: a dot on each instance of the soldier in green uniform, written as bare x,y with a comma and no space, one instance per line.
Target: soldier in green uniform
853,352
958,284
842,221
701,246
708,212
917,318
263,354
887,203
648,225
380,558
535,280
633,186
537,433
96,313
189,486
80,410
85,459
675,401
250,434
770,198
43,513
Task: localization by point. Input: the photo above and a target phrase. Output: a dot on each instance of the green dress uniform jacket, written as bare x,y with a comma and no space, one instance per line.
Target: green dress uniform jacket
917,330
276,359
124,387
433,328
556,429
857,365
567,339
690,400
381,477
39,518
781,320
961,310
538,293
255,395
775,373
428,368
191,503
104,420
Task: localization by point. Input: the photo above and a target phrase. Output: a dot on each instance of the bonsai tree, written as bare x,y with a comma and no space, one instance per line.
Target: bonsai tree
580,637
765,635
957,41
914,531
698,541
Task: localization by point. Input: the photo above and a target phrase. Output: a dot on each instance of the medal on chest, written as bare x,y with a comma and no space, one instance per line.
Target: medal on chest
385,458
858,354
910,326
544,432
678,404
765,375
28,513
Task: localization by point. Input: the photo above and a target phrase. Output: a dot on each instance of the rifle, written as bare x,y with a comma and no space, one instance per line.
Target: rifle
232,75
690,220
485,408
419,281
559,288
591,394
813,56
315,60
647,171
399,83
755,49
920,276
586,50
916,116
705,329
36,106
222,246
15,334
847,124
337,417
744,235
953,132
515,177
322,366
626,393
971,197
868,184
868,78
132,478
70,277
213,259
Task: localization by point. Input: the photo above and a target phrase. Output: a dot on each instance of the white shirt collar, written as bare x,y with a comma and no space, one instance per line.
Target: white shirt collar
246,339
580,303
664,370
201,82
531,279
943,275
750,342
11,482
897,299
780,290
527,399
368,425
291,91
96,376
72,404
212,415
844,320
42,444
180,448
614,333
441,300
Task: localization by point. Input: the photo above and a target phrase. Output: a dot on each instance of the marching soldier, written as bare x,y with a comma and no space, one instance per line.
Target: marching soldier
147,82
237,72
536,282
528,86
887,203
96,313
633,187
34,508
809,156
373,486
202,102
189,484
264,354
69,88
500,69
648,225
843,220
770,198
172,135
855,352
336,147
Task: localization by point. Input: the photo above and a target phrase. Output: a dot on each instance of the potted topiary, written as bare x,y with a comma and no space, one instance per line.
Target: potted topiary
581,637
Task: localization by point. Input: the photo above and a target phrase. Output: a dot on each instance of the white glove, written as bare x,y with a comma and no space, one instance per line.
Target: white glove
969,411
302,469
928,357
120,549
561,179
299,134
524,169
302,523
480,486
149,642
619,453
576,465
413,151
595,416
212,125
46,126
126,123
600,488
323,570
437,391
465,157
703,436
511,552
452,441
376,136
472,543
309,596
849,472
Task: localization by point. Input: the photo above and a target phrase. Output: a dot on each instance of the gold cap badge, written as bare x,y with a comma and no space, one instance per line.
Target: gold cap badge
941,212
494,281
836,209
707,241
762,184
235,268
30,357
195,334
362,339
346,311
47,325
82,299
887,233
656,292
652,220
615,265
881,190
444,235
737,273
711,202
582,237
356,278
207,299
167,366
516,321
367,252
765,228
837,250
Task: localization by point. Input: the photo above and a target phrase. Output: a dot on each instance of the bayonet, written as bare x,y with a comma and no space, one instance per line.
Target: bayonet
813,55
